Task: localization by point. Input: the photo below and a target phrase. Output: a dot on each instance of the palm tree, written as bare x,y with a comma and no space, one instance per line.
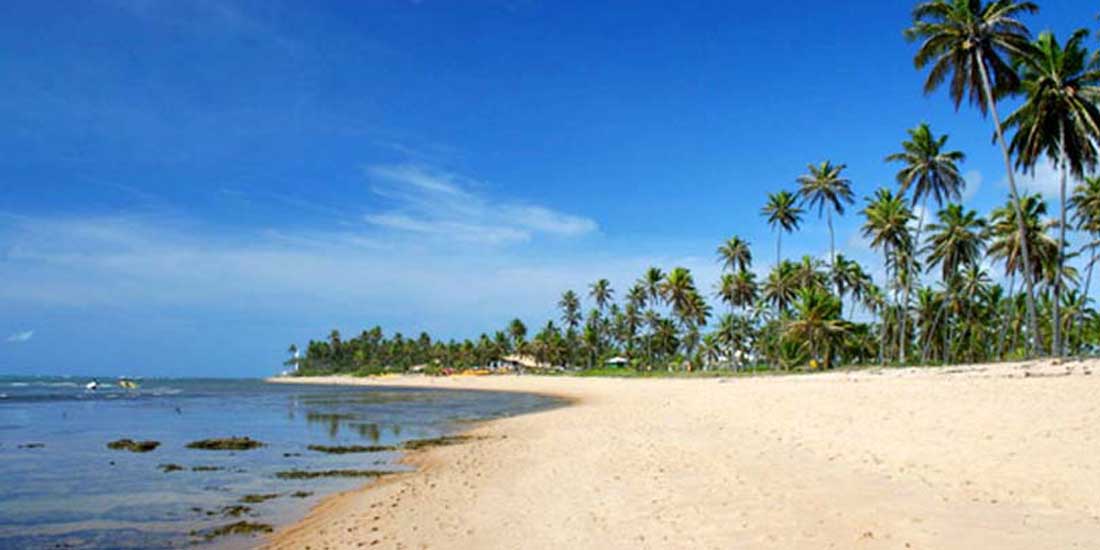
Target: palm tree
823,188
1086,207
957,240
817,321
738,290
601,292
517,331
735,254
887,227
781,287
651,282
1060,120
570,306
930,172
969,39
783,215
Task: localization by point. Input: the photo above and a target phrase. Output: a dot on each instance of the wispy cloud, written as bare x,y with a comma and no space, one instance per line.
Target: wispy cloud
428,201
20,337
1045,180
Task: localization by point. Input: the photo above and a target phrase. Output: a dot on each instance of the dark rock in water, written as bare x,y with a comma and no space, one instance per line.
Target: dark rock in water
301,494
416,444
256,499
304,474
133,446
169,468
206,468
225,444
345,449
32,446
235,510
238,528
289,455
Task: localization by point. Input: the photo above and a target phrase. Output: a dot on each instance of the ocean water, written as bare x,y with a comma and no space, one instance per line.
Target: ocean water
61,487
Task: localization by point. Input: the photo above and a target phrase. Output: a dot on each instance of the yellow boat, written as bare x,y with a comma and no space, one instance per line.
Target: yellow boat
127,383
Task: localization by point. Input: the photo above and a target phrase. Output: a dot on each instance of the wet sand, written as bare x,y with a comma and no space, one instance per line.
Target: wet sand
1004,456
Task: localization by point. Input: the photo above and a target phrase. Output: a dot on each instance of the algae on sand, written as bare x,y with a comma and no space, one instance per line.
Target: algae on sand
238,528
307,474
225,444
256,499
345,449
127,444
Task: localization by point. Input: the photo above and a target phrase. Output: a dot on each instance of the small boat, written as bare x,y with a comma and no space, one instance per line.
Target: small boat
127,383
92,386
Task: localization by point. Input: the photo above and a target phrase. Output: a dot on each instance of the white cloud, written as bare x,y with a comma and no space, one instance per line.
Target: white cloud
1046,180
20,337
973,185
449,207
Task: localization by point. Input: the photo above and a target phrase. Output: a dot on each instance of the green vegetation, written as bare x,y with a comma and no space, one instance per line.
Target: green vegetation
166,468
258,498
346,449
133,446
225,444
416,444
238,528
936,300
306,474
301,494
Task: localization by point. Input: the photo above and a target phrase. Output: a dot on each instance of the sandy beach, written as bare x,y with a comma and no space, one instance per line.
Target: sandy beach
1004,457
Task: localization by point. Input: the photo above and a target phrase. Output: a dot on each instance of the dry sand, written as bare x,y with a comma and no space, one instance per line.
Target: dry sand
999,457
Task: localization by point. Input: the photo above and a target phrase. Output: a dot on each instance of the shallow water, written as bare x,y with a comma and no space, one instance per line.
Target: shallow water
73,492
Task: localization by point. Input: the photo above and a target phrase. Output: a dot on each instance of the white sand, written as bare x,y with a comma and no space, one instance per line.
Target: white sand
968,458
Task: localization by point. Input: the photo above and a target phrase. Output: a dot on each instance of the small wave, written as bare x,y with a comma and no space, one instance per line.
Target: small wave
62,385
19,384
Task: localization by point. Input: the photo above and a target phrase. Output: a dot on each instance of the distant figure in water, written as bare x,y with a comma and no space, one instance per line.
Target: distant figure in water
93,385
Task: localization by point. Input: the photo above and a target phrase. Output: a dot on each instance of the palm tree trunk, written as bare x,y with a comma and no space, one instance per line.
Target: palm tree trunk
832,242
1007,313
902,338
1056,345
882,316
1085,299
1032,320
779,247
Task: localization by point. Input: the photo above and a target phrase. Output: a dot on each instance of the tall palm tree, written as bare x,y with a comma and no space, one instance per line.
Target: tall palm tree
784,216
570,306
969,39
781,287
1059,120
929,171
1086,211
825,189
887,226
738,290
601,292
956,241
735,254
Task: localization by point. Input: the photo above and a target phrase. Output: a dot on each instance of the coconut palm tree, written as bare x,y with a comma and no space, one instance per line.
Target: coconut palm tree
956,241
602,293
1086,216
781,287
784,216
1060,120
929,171
887,227
825,189
735,254
818,322
570,306
969,40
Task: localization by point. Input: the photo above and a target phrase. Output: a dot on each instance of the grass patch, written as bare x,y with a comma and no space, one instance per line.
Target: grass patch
225,444
345,449
133,446
238,528
258,498
307,474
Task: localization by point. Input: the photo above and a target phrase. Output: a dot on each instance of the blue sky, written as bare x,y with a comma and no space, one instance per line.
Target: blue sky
189,186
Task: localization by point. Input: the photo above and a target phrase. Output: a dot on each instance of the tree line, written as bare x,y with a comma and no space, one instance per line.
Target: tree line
937,301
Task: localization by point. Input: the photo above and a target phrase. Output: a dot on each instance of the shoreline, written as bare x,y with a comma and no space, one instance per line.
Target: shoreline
889,457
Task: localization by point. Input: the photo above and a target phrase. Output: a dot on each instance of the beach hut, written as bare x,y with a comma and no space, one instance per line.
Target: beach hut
617,362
